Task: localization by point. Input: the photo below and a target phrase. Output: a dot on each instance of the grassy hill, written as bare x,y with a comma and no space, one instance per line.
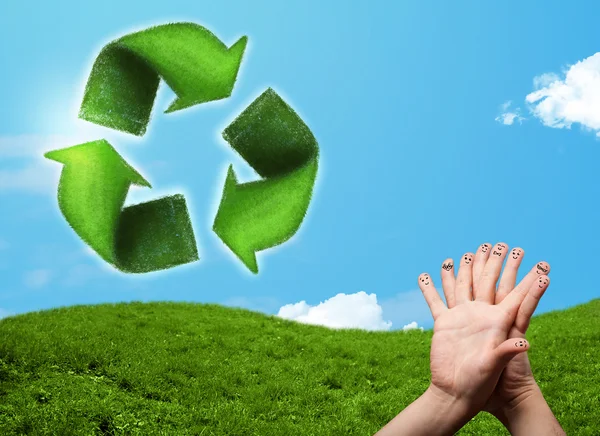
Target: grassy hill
194,369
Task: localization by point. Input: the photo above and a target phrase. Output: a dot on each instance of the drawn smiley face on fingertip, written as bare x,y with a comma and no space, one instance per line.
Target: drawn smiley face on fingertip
424,278
542,268
516,253
468,258
498,249
485,248
542,282
521,343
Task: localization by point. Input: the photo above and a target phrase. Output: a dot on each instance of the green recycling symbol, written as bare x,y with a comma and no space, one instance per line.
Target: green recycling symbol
158,234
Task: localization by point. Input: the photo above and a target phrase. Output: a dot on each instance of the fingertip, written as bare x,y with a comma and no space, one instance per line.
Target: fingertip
517,254
522,344
424,279
542,282
448,264
467,259
542,268
500,250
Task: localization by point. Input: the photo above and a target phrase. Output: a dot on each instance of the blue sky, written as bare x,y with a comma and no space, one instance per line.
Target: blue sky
422,156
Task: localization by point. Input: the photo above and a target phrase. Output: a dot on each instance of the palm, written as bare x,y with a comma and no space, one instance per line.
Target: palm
471,332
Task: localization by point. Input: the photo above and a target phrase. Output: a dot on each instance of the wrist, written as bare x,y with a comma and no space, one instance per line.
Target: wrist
530,414
451,413
531,394
434,413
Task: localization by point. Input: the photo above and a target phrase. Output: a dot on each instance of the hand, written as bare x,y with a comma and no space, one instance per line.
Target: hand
516,382
469,348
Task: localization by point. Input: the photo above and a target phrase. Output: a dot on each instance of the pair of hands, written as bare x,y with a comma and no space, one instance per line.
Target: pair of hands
472,361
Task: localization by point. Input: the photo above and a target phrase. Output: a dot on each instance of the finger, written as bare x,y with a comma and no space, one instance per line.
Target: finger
464,280
448,282
509,275
539,269
509,349
513,300
486,290
434,301
529,304
481,257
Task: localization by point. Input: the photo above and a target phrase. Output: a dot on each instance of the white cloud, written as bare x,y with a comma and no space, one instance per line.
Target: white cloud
294,311
559,103
37,278
576,99
545,80
508,117
411,326
359,310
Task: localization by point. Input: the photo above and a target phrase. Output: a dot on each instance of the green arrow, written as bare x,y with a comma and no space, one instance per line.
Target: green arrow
140,238
280,147
122,86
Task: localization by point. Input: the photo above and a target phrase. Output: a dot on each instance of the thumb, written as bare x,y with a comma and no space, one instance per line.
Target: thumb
510,348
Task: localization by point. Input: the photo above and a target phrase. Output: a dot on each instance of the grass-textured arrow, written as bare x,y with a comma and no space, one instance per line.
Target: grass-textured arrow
280,147
140,238
122,86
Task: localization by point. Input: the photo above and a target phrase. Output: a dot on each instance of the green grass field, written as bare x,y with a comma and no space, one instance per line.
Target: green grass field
194,369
